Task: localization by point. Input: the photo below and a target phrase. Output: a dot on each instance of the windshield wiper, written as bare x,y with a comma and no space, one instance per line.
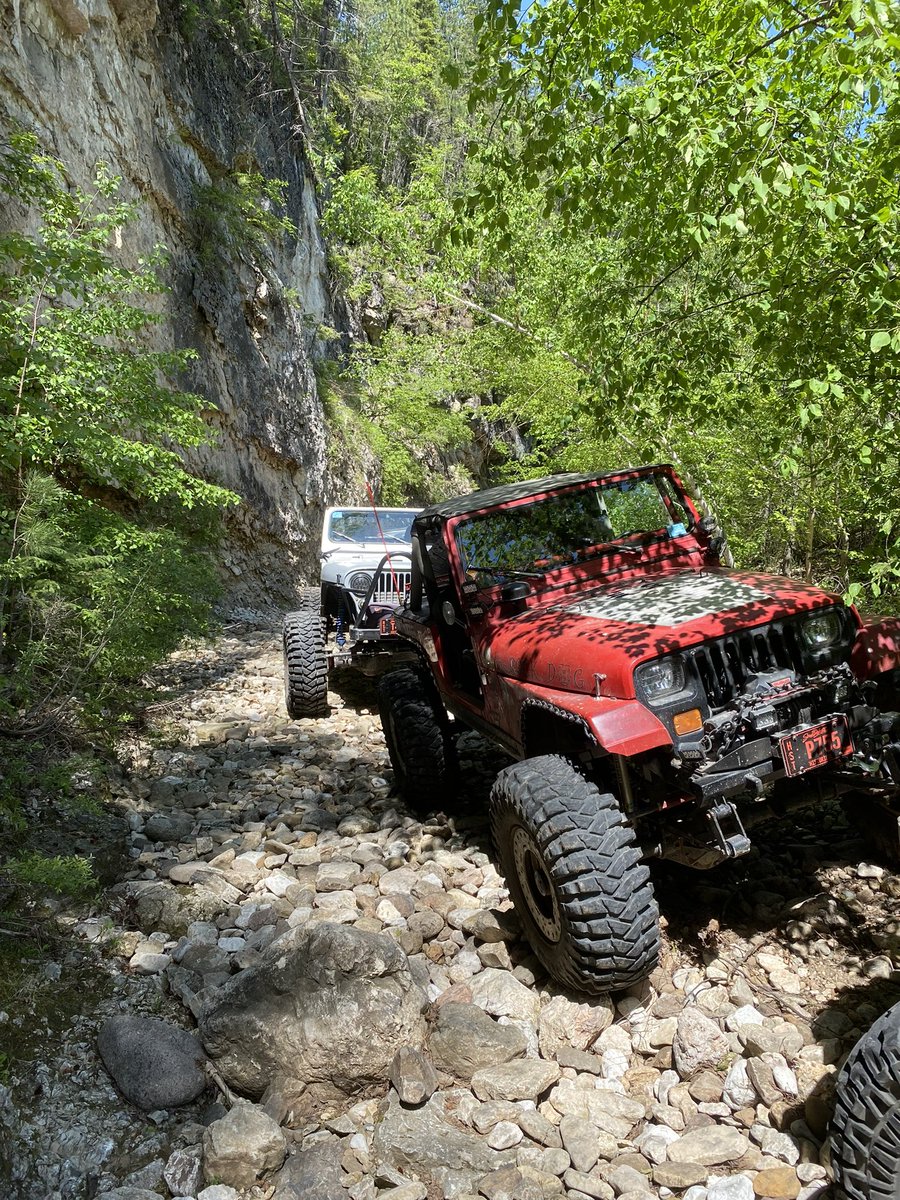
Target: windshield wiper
505,573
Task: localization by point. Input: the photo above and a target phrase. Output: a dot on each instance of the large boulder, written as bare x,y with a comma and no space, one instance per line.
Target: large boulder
329,1003
153,1064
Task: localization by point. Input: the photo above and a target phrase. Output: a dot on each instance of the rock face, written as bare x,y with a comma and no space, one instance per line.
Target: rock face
332,1003
154,1065
118,82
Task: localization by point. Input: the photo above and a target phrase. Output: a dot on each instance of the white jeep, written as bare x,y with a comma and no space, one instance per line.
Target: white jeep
348,620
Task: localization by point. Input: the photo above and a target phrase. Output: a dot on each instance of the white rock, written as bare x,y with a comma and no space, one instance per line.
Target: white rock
738,1091
565,1023
616,1037
779,1145
502,995
745,1015
730,1187
666,1081
504,1135
699,1042
614,1064
784,1076
279,882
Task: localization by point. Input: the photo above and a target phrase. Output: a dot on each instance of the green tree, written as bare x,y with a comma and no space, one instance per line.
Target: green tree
102,526
731,172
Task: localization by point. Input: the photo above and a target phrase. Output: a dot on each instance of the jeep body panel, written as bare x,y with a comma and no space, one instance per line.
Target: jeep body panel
877,648
542,608
592,644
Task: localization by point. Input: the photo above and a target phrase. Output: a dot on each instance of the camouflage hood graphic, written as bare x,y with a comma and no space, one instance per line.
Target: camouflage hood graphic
623,624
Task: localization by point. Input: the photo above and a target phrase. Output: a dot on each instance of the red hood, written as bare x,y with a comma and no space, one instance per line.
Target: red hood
611,629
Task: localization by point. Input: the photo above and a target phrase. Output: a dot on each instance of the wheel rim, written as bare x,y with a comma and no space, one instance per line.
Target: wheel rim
536,884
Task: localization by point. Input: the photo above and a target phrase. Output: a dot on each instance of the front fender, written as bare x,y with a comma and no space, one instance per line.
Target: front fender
618,726
877,648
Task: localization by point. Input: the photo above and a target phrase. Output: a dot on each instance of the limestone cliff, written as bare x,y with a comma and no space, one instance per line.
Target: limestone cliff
116,81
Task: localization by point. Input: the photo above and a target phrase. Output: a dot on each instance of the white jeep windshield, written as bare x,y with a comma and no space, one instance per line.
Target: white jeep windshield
359,525
530,539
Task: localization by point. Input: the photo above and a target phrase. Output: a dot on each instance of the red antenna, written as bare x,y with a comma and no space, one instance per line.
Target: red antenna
384,543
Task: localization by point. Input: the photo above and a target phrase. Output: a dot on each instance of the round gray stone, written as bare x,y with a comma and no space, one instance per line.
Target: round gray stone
153,1064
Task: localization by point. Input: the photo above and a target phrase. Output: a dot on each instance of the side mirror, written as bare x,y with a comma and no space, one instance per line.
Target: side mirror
448,612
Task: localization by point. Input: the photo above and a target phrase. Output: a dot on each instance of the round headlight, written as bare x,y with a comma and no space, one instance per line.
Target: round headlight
359,582
822,630
660,680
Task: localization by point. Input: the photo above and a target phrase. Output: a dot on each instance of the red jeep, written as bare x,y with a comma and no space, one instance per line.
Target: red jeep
658,703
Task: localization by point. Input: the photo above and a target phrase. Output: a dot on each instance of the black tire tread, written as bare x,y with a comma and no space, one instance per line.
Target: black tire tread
427,773
305,664
608,911
310,598
865,1129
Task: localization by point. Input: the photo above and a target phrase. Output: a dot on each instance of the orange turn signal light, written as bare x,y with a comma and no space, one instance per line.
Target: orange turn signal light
688,722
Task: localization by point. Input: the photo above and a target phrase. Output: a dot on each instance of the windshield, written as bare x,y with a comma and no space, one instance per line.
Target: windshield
359,525
530,539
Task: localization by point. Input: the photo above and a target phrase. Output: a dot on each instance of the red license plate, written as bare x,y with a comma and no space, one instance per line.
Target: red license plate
816,745
388,626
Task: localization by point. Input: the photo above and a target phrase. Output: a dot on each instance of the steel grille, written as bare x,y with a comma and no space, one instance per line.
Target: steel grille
386,592
725,665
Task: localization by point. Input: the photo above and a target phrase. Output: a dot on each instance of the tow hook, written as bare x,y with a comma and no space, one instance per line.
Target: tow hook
721,817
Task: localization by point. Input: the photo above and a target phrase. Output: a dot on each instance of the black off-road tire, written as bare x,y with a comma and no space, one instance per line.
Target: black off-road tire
575,875
876,824
419,739
310,599
865,1129
305,664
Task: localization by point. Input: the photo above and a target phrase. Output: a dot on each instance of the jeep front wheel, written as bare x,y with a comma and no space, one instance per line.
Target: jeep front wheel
419,741
305,664
575,876
865,1129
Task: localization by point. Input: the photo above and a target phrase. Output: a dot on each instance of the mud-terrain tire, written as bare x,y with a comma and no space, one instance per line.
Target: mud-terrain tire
865,1129
305,664
575,875
876,824
310,598
419,739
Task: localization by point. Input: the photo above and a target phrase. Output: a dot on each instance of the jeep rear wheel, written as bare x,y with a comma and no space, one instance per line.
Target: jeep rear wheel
305,664
865,1129
419,742
575,876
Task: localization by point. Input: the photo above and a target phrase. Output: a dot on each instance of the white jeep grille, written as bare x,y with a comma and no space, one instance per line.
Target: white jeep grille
386,590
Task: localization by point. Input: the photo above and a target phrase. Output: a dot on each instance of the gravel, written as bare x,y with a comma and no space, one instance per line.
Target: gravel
710,1081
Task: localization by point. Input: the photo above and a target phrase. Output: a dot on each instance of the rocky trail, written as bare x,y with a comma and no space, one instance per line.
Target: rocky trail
373,1024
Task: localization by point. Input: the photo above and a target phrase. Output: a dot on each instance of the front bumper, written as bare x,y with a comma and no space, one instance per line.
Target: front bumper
797,736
